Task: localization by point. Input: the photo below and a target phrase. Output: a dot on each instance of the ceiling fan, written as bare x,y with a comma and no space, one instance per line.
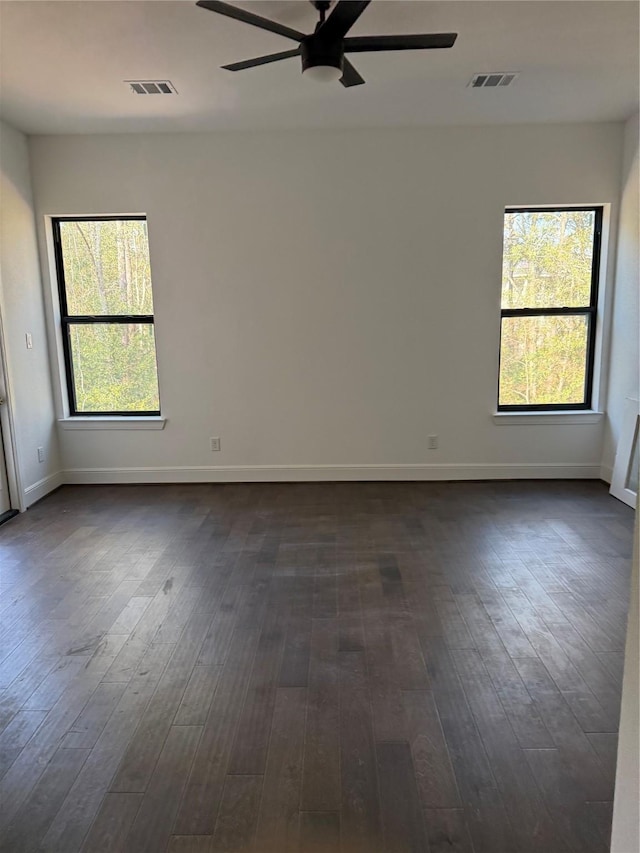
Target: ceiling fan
323,51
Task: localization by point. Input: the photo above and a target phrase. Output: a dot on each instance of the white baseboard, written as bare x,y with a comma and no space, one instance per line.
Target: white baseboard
606,473
312,473
38,490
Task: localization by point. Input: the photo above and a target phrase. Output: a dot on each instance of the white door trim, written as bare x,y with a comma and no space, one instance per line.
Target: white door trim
629,435
14,480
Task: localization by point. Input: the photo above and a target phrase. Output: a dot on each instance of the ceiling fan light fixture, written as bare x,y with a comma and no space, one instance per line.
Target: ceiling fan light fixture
322,73
321,59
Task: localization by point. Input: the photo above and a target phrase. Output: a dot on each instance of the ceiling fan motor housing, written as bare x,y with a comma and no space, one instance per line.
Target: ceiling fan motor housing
317,51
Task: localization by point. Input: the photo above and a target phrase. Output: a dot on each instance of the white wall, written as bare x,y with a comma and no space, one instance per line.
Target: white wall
329,298
22,310
624,376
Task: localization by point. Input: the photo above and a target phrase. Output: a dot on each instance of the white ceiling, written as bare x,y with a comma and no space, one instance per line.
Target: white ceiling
63,65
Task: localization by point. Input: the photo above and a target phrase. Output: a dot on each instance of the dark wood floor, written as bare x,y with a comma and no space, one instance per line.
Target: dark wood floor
377,668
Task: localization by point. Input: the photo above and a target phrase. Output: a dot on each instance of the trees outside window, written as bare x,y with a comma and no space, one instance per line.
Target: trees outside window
549,302
106,307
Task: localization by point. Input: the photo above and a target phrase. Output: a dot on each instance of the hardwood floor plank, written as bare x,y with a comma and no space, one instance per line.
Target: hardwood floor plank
385,694
319,832
401,814
566,732
325,597
14,696
613,662
16,735
153,823
142,753
436,781
483,632
321,773
38,811
350,633
249,753
199,807
89,724
131,614
583,703
597,638
563,801
506,626
216,646
197,697
278,829
601,816
185,603
55,684
360,808
524,716
594,673
485,813
81,805
605,745
294,669
447,831
22,655
408,662
454,627
238,815
112,823
190,844
531,823
25,771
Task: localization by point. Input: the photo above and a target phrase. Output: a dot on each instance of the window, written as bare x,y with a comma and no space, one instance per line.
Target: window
549,301
106,308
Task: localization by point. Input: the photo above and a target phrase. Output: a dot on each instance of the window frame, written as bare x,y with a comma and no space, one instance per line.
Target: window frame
68,320
590,311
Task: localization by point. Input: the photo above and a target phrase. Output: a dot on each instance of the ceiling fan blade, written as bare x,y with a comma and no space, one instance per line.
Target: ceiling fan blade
345,14
429,41
350,76
261,60
250,18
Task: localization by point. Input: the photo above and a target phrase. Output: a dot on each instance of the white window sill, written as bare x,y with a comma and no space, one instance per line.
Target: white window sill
151,423
580,416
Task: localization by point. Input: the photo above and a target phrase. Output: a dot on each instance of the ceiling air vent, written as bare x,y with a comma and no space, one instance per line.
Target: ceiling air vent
152,87
492,79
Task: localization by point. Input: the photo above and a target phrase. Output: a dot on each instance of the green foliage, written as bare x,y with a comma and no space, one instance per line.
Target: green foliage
542,360
546,264
107,271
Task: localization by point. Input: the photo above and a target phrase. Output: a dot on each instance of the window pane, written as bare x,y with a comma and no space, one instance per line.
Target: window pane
543,360
114,367
547,259
106,267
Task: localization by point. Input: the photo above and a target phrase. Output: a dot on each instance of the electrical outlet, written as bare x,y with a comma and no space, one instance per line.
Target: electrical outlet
432,442
215,443
29,340
41,454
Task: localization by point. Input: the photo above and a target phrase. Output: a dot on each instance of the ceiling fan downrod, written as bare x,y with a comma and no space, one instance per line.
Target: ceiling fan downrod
323,7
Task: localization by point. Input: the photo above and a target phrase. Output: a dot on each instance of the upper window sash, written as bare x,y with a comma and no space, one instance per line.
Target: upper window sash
585,290
108,300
